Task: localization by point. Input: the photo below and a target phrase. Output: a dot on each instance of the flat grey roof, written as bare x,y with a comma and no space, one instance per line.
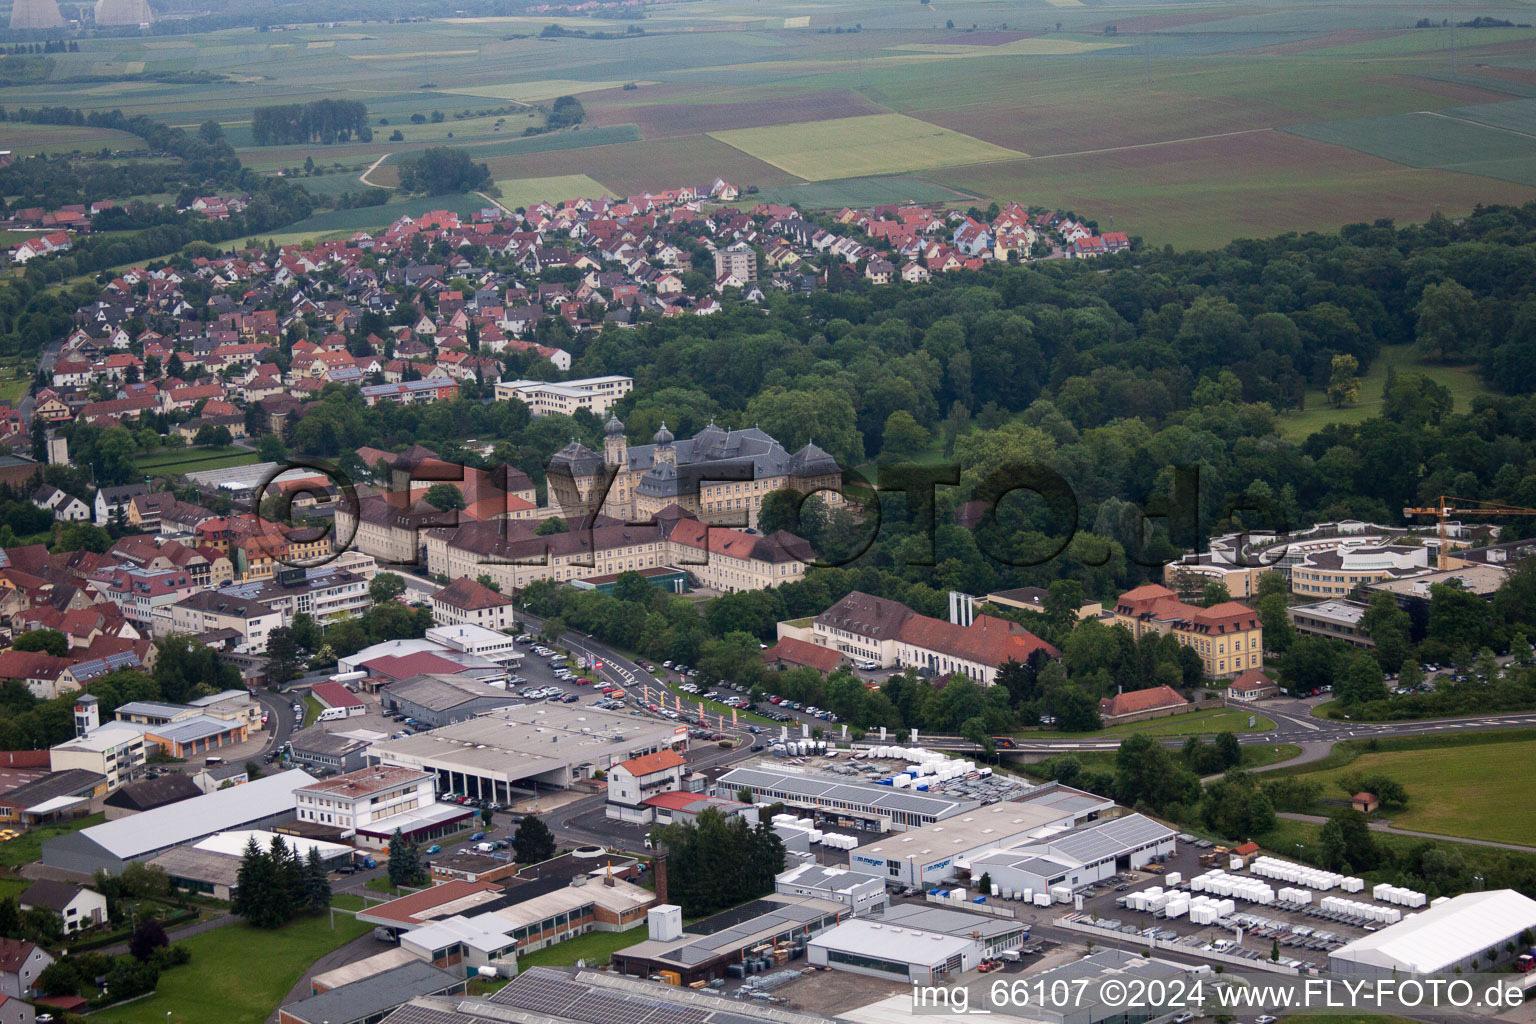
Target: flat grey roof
828,787
526,739
949,922
374,995
219,811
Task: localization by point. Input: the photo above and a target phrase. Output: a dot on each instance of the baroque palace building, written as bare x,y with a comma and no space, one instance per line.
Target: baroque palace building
718,475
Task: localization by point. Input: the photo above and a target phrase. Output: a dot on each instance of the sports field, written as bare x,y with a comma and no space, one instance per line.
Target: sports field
851,147
1448,788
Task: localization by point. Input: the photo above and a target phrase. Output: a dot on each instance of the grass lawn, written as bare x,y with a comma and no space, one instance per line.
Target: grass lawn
348,901
1196,723
219,984
28,847
13,388
176,461
593,947
12,888
1448,791
312,711
1461,380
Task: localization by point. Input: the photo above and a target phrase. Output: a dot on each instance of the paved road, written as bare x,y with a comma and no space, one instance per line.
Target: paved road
184,932
1382,826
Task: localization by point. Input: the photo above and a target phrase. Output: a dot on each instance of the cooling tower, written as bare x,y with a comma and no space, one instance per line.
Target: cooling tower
36,14
123,12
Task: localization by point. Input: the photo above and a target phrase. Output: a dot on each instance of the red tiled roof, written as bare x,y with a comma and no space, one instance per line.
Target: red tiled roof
1246,849
411,664
1141,700
409,909
1253,677
987,641
14,953
334,695
650,764
799,652
470,595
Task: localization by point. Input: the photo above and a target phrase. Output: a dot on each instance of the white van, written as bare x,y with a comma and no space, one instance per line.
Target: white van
331,714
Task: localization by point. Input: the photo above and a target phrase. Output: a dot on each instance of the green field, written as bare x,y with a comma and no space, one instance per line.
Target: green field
593,947
1462,381
1448,788
219,984
192,460
850,147
1434,140
526,192
28,139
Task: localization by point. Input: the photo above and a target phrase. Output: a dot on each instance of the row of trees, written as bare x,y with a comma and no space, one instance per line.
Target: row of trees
323,121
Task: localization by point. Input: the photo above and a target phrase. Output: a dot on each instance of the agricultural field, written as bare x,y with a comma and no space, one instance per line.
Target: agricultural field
851,147
1187,126
1447,788
30,139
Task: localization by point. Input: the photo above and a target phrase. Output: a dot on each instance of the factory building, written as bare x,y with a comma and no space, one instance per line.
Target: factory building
938,852
914,943
1079,857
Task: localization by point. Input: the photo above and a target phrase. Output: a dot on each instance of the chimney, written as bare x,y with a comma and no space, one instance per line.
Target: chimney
659,866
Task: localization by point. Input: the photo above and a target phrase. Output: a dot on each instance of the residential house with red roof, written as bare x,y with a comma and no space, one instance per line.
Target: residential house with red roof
631,782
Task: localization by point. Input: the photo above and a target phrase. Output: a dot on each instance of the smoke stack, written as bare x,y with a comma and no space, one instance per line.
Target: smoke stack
659,867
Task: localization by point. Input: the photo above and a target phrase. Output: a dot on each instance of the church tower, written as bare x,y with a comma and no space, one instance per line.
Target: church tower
665,453
615,446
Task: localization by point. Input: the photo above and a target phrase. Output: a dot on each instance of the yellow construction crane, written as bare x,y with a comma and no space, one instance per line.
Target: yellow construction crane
1463,507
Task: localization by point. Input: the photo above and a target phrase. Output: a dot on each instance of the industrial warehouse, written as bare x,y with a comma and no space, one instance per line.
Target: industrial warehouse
938,852
882,808
769,931
520,749
913,943
1452,937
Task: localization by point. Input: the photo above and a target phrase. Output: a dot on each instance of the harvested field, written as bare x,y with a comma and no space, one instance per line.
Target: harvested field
994,38
858,146
664,120
636,166
1270,182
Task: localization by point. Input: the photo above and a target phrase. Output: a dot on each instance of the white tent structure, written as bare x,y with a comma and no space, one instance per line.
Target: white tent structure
1442,938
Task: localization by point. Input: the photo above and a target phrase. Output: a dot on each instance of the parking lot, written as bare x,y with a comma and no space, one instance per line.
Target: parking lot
1263,926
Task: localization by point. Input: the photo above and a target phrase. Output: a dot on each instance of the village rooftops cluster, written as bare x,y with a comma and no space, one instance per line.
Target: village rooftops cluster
459,293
